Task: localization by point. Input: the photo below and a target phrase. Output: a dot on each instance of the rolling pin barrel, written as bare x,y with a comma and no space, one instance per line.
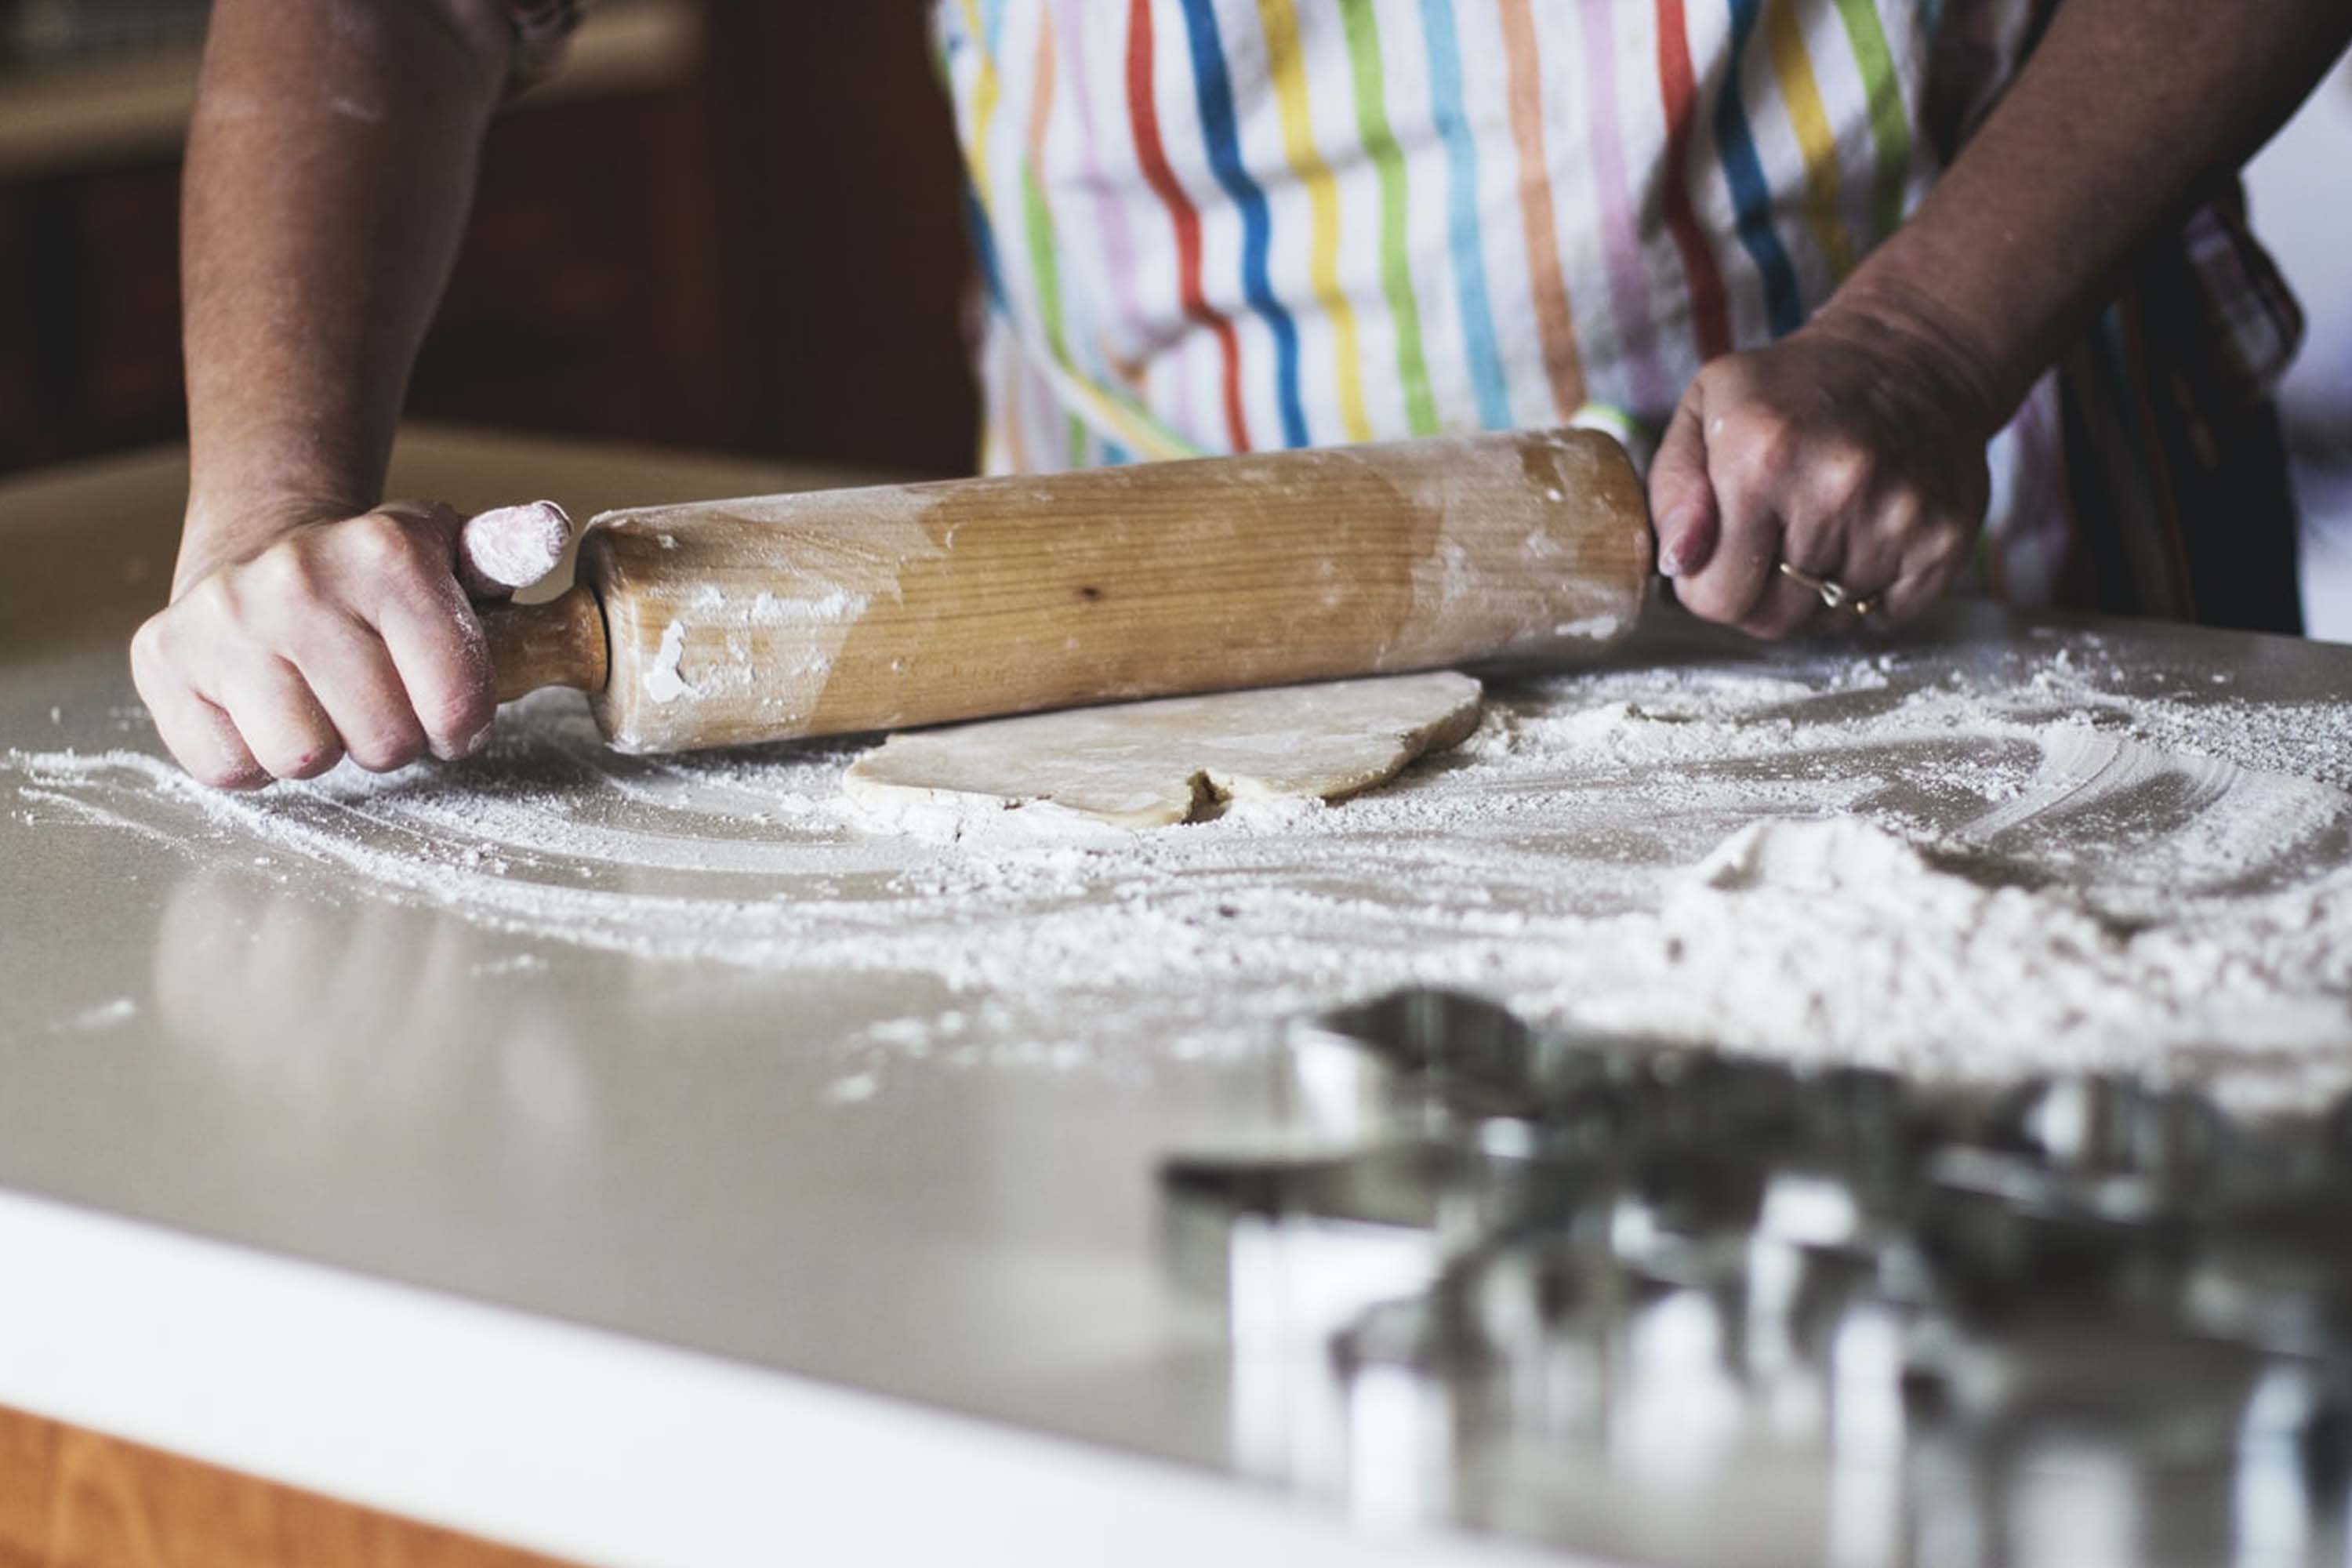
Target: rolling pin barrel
833,612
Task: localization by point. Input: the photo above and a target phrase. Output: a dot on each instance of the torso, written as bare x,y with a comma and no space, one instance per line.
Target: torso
1218,224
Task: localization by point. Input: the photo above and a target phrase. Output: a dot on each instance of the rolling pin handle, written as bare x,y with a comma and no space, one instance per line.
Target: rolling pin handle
559,643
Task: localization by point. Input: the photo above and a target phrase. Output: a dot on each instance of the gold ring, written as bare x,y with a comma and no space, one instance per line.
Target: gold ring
1835,595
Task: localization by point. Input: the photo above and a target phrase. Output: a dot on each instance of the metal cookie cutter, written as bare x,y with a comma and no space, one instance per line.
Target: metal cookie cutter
1492,1249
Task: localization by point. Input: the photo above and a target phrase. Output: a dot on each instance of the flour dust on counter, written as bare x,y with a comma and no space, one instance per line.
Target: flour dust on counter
2039,860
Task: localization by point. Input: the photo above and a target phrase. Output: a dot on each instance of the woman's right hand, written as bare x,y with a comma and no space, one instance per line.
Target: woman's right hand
340,637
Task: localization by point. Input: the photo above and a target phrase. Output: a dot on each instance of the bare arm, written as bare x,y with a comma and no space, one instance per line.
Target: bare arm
331,167
1854,449
330,170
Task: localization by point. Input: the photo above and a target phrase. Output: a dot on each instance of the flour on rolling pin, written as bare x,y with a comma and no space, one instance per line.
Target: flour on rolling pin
754,618
1554,465
512,547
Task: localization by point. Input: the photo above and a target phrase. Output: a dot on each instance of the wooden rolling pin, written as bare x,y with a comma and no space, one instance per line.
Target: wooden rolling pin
833,612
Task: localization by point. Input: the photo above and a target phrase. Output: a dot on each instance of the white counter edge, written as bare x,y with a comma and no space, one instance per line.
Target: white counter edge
576,1442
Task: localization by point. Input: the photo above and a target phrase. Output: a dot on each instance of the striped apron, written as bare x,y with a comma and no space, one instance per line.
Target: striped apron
1218,225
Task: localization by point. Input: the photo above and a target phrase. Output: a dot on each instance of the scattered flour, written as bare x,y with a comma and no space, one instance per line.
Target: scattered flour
105,1015
1819,855
663,682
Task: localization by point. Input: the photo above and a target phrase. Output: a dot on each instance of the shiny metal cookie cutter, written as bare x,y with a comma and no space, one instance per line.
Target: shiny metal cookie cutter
1466,1219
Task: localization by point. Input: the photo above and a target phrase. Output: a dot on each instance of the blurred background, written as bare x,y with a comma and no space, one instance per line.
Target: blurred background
732,225
2301,186
644,223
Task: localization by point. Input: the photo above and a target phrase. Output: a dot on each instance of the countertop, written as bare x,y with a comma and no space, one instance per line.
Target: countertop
620,1254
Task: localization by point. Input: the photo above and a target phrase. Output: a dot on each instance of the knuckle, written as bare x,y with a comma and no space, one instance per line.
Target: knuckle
284,571
147,648
387,750
379,542
1769,448
1845,479
213,600
1904,513
311,760
238,607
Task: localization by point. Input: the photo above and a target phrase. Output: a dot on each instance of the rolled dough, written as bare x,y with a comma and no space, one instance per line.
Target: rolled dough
1179,759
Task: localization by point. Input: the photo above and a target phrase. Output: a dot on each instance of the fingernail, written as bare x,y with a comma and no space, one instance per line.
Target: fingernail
459,750
1673,542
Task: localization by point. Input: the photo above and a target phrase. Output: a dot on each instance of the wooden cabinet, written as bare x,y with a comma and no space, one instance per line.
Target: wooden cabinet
733,225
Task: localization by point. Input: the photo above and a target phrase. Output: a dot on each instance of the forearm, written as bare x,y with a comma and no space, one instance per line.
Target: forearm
331,167
2128,113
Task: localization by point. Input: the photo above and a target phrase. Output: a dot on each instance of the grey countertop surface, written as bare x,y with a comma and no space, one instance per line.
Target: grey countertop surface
258,1047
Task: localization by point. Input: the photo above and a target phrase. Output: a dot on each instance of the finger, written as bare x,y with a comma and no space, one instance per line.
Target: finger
1906,599
281,723
199,735
205,742
1740,571
351,674
437,646
1878,531
1935,550
1820,542
1918,588
1787,606
1681,497
427,624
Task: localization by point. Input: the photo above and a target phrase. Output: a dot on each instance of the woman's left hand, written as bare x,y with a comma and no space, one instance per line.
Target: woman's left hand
1854,450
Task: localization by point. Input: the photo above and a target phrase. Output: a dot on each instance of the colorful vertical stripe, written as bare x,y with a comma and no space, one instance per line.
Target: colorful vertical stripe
1087,402
1546,279
1465,242
1151,156
1751,193
1368,78
1293,210
988,91
1110,219
1801,90
1280,20
1620,231
1037,218
1890,119
1213,92
1678,94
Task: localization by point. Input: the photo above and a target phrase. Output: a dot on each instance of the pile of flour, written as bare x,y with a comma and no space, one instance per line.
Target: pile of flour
1824,856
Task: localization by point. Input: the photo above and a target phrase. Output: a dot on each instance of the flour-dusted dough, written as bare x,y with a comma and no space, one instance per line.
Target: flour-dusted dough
1150,764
